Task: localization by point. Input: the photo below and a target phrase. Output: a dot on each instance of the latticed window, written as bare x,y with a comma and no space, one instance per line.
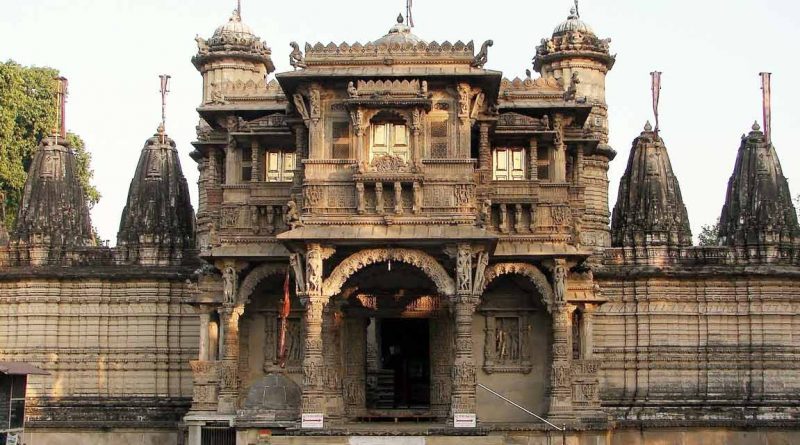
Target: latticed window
279,166
340,140
439,138
509,164
389,139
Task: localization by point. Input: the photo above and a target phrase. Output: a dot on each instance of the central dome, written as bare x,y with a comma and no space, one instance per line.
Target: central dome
399,34
573,24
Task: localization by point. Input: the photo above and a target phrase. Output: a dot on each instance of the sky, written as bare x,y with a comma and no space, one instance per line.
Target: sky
710,52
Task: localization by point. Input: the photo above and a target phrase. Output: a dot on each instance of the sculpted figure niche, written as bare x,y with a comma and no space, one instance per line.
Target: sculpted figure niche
229,279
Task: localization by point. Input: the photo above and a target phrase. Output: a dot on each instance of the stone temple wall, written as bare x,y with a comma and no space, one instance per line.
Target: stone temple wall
117,346
700,346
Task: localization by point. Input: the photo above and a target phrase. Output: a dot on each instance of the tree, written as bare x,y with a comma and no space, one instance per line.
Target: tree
709,235
28,112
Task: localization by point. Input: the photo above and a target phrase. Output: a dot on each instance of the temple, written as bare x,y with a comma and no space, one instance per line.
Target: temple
394,240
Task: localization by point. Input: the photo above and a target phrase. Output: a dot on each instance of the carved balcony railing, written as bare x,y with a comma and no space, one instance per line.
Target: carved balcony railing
665,256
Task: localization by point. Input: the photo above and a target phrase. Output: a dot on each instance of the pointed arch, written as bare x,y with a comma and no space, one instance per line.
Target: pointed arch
421,260
529,271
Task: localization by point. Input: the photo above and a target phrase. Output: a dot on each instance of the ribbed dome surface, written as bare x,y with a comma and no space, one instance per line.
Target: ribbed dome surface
234,28
573,24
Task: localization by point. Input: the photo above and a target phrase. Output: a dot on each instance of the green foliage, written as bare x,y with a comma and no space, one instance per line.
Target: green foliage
709,234
28,113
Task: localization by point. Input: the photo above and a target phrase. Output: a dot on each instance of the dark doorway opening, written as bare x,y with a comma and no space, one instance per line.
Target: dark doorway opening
405,381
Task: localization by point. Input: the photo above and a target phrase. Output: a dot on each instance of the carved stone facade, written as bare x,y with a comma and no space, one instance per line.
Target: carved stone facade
385,232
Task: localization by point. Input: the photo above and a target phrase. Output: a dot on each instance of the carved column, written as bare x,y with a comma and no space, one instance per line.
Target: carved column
485,149
205,319
301,152
416,131
579,166
464,377
398,198
534,159
256,157
418,198
504,219
559,164
560,378
587,331
313,362
379,198
228,393
360,198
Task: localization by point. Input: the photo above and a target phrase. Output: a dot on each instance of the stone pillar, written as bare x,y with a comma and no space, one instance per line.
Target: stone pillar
205,319
560,378
228,392
313,362
301,152
398,198
464,376
485,149
587,331
255,163
579,166
533,158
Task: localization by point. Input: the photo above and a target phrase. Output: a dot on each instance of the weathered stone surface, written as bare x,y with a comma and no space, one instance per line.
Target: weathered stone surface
650,209
157,225
758,208
53,211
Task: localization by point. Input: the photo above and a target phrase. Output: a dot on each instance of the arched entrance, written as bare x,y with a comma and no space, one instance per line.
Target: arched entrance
393,317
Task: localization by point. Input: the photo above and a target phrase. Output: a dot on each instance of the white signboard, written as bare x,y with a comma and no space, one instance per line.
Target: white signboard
387,441
12,439
465,421
313,421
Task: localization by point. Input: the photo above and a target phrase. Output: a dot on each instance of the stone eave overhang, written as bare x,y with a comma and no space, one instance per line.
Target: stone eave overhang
580,111
395,235
488,80
199,61
247,110
606,59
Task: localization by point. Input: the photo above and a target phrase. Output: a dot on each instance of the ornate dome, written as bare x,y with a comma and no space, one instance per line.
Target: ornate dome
400,34
573,24
235,31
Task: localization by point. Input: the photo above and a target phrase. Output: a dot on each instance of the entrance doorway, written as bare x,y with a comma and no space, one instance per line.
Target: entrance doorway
403,381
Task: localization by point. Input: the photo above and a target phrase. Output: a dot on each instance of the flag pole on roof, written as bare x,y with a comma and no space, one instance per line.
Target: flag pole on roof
164,91
656,88
409,17
766,88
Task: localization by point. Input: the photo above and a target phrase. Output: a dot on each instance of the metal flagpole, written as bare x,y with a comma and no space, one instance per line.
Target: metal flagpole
656,88
766,88
164,91
577,9
239,7
409,17
62,84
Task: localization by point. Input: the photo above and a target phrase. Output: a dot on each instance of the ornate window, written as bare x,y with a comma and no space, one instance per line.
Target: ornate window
279,166
509,164
389,139
247,164
543,163
340,140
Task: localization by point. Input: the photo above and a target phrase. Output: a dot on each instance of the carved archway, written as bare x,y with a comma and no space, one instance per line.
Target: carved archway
255,277
421,260
526,270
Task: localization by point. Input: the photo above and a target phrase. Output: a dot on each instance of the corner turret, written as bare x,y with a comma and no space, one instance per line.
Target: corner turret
650,209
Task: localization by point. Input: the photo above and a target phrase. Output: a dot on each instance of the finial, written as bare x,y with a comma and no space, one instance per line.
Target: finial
400,19
756,127
648,127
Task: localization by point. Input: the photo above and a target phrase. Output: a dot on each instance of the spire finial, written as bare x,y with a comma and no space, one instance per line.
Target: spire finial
756,127
648,127
400,19
164,91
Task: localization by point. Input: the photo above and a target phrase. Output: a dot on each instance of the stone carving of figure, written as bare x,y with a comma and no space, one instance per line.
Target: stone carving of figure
483,56
464,270
424,88
352,91
463,100
296,58
254,219
229,279
485,217
202,45
559,281
480,273
546,122
300,104
213,240
316,106
314,270
501,344
292,216
572,91
217,96
551,46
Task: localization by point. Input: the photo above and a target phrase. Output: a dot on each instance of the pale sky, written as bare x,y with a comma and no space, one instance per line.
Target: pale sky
710,51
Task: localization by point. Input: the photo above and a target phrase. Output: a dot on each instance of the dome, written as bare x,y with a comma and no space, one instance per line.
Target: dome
399,34
573,24
234,30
